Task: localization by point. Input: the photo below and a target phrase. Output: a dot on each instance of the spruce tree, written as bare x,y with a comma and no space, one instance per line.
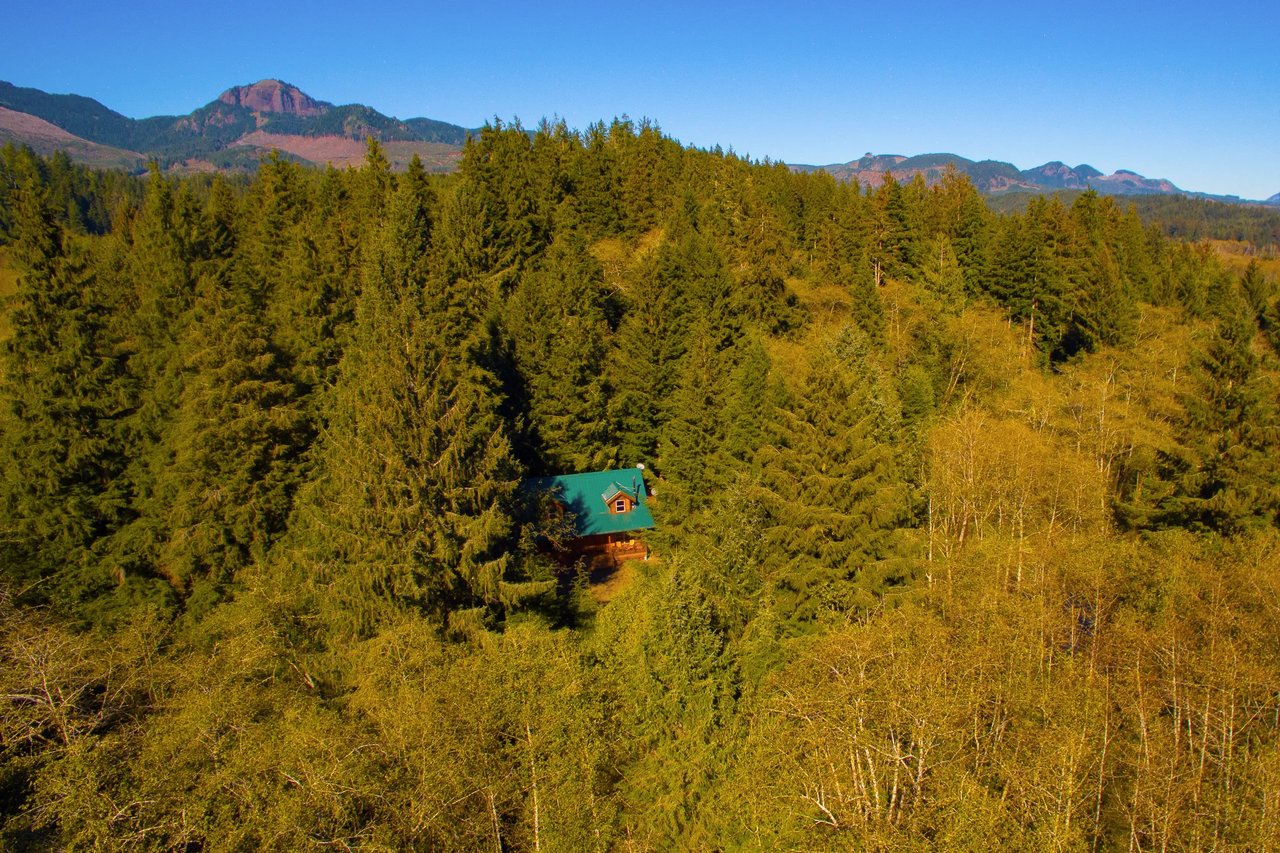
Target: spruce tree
235,440
690,449
943,276
650,345
748,405
169,244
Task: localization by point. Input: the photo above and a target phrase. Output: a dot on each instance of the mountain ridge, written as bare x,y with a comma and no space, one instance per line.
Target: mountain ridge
236,129
996,177
245,122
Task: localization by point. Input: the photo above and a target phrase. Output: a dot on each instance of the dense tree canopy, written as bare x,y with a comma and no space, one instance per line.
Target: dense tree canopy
967,522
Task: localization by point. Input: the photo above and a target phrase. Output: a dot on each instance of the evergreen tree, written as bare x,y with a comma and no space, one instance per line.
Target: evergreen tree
650,344
1231,428
648,171
833,498
1034,275
499,171
1102,307
235,439
65,391
690,449
169,246
748,407
598,184
943,276
412,505
312,303
558,319
895,246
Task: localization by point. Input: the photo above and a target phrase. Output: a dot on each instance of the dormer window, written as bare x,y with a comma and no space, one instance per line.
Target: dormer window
620,505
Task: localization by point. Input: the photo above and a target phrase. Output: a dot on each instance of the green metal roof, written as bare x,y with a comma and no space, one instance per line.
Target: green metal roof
588,497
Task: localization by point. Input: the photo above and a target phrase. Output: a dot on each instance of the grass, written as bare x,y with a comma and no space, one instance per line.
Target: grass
610,584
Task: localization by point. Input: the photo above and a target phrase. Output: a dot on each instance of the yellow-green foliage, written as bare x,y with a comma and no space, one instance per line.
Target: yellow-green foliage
1237,255
8,285
927,576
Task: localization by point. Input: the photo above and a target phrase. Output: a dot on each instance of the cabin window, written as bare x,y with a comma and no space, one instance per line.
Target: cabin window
620,505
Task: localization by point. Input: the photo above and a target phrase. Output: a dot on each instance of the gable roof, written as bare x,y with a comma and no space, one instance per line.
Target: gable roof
588,497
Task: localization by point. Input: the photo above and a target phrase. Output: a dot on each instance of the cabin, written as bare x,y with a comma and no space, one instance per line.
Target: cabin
602,514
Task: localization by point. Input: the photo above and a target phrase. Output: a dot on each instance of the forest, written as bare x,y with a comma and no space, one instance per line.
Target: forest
966,521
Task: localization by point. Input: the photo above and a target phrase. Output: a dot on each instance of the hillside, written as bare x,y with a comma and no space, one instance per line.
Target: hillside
44,138
231,132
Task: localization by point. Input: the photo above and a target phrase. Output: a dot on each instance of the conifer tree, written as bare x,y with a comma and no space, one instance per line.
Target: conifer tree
895,236
558,319
169,246
64,392
235,439
1231,428
690,450
1033,273
312,300
943,275
411,509
499,171
370,193
833,498
1102,309
650,344
748,405
598,184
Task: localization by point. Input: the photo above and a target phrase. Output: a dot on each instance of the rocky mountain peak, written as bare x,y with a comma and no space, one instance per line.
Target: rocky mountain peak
274,96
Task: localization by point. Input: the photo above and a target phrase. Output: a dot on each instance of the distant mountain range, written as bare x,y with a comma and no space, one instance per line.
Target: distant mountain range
244,123
232,132
994,177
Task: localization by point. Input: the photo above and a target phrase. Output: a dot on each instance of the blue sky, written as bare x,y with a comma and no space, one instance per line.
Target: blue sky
1188,92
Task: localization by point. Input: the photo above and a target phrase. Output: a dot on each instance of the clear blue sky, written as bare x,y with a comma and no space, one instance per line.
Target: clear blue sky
1178,90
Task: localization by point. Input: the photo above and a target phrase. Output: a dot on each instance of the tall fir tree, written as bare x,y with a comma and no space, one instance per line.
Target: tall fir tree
691,445
833,498
558,320
236,438
1229,483
65,393
411,510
